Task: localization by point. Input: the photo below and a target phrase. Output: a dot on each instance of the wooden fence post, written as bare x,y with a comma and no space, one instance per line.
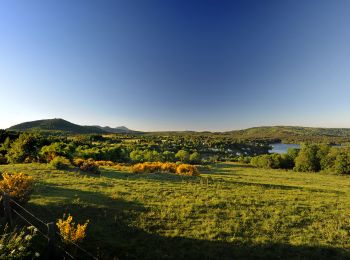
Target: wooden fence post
51,240
7,209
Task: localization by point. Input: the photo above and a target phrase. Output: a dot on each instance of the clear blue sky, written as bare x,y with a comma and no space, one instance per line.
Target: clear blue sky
176,65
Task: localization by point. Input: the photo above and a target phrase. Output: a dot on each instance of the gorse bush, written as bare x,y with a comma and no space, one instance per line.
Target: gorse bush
71,232
78,162
147,167
169,167
158,167
88,165
187,169
18,185
104,163
17,244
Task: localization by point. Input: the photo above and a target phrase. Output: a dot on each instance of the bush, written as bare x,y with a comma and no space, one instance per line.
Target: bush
169,167
90,166
147,167
71,232
158,167
60,163
187,169
342,164
18,185
17,244
307,159
104,163
25,146
78,162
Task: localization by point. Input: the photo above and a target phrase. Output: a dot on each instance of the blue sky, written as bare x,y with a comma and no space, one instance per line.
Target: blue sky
176,65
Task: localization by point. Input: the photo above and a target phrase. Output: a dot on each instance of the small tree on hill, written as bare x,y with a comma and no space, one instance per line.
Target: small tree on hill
183,156
307,159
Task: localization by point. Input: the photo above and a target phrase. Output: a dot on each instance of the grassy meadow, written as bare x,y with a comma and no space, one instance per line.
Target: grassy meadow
232,211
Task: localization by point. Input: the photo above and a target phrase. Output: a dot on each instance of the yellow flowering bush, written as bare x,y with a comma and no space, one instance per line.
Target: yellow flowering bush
187,169
18,185
169,167
71,232
156,167
104,163
88,165
78,162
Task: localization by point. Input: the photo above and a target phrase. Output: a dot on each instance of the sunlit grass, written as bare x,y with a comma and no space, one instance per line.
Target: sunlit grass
231,211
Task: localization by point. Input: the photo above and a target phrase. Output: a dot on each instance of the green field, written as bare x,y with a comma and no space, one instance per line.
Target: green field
231,212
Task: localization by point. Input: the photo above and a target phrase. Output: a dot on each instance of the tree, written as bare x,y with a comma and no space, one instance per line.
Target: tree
183,156
168,156
136,156
307,159
25,147
195,157
341,164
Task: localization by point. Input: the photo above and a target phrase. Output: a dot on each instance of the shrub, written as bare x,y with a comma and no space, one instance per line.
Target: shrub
90,166
104,163
342,164
147,167
71,232
18,185
169,167
17,244
25,146
307,159
157,167
60,162
187,169
49,152
78,162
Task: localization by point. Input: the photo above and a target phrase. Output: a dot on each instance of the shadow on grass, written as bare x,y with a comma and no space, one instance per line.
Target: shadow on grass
112,235
171,177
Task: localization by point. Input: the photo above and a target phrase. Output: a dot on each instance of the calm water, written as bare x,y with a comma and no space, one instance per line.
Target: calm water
282,148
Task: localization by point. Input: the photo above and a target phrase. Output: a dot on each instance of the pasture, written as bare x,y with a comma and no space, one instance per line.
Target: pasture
232,211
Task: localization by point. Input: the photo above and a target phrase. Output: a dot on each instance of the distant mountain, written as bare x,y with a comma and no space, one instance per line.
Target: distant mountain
118,129
61,125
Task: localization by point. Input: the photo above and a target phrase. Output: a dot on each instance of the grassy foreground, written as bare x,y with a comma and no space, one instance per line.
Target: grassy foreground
233,211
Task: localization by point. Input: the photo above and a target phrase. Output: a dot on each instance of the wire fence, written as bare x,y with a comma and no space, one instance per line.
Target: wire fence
50,232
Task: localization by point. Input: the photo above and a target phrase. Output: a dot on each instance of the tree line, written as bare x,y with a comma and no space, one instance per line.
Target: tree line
309,158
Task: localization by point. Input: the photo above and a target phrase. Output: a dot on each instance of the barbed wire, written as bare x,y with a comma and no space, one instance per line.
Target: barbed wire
45,224
64,251
82,249
29,223
35,217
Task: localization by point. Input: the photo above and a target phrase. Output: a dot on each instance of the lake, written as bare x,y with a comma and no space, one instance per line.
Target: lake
282,148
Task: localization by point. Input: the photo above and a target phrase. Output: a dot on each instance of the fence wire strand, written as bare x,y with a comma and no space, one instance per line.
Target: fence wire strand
45,224
79,247
64,251
38,219
29,223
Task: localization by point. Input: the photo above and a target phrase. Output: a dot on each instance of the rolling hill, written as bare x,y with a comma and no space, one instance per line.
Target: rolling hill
61,125
294,133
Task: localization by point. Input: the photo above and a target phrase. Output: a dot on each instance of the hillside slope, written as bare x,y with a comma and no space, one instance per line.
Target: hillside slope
56,124
294,133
